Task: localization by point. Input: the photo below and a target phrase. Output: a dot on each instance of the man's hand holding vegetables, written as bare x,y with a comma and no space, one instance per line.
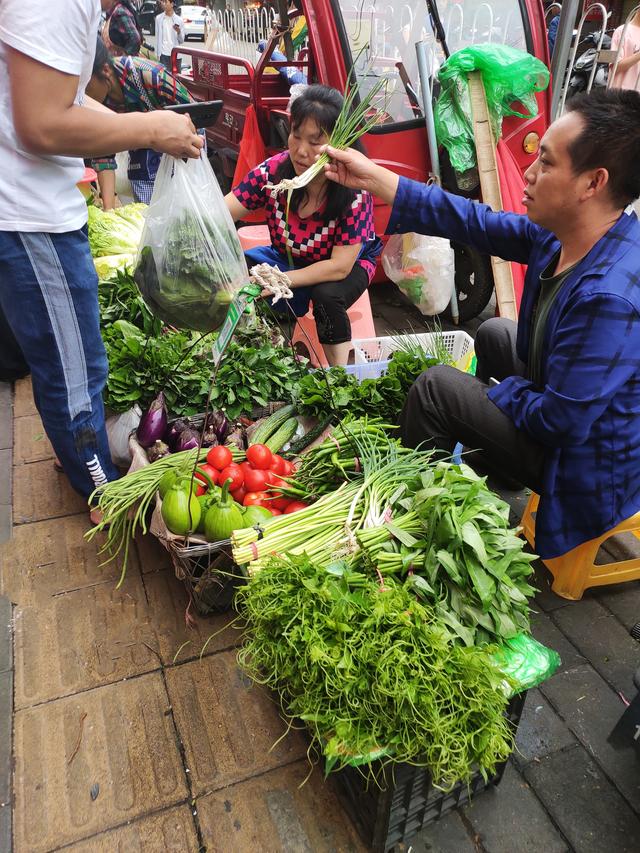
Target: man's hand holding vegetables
564,416
48,284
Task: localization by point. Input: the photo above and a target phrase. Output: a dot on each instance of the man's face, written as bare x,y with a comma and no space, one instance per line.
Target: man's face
552,190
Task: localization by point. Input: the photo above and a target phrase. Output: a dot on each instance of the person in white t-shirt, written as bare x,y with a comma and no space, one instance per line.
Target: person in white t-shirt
169,34
48,284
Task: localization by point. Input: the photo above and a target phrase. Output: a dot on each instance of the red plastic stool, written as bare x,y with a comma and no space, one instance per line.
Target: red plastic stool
361,327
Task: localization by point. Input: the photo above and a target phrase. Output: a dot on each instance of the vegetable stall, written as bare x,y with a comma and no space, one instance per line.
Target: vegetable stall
384,594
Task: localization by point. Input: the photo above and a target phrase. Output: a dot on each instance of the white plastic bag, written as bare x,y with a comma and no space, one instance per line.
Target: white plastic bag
423,268
123,184
191,263
119,428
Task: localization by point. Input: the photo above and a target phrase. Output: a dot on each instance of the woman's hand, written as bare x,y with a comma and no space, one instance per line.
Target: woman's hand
352,169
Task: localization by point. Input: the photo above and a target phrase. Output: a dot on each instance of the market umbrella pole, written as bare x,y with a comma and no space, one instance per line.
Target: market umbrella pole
490,185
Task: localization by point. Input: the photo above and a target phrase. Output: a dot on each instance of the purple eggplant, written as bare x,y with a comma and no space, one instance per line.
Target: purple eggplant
157,450
173,431
221,426
153,423
187,440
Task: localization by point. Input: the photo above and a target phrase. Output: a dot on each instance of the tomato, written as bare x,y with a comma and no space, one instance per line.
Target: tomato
290,467
278,465
210,471
259,456
280,502
219,457
275,512
277,482
238,494
201,490
255,499
234,473
294,506
256,481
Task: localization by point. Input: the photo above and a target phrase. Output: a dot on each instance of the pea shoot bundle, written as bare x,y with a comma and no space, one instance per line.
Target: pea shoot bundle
372,670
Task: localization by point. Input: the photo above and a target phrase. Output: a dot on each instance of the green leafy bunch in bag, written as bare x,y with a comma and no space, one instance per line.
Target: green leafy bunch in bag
510,76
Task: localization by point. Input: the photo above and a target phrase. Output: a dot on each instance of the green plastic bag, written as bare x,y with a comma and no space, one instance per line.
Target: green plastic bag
510,76
525,662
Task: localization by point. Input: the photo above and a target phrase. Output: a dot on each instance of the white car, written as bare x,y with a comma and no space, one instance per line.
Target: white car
195,21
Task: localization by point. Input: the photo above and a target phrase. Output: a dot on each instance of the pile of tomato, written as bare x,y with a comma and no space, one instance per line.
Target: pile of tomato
257,481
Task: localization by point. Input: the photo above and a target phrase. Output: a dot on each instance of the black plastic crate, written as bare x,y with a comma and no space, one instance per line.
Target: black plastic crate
403,801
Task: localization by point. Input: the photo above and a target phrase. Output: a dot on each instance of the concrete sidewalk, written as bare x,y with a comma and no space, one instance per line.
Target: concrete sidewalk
117,746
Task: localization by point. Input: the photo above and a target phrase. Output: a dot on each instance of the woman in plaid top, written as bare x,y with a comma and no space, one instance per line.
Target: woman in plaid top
328,235
131,84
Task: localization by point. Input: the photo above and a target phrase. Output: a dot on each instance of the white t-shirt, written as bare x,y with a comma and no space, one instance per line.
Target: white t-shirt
38,192
166,44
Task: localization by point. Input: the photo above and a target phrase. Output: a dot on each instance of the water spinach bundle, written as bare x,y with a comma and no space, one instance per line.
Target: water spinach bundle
371,670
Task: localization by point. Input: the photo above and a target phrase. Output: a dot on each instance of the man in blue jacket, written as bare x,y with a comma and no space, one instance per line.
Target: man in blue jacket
556,403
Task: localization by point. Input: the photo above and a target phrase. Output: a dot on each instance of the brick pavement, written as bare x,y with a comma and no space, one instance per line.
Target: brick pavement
118,746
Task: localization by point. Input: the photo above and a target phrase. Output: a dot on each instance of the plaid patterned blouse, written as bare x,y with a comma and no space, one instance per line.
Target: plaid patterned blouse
586,408
123,29
146,86
311,239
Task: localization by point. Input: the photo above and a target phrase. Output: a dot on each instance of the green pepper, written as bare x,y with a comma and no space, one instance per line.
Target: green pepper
180,509
206,501
223,517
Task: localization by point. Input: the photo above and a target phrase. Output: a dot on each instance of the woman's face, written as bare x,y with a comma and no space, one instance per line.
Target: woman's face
98,87
304,143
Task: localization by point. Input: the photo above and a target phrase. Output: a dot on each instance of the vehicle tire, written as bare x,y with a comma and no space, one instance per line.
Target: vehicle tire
474,282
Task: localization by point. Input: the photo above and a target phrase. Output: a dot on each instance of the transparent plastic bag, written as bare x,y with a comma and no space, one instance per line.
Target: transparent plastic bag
190,264
423,268
119,429
526,662
509,76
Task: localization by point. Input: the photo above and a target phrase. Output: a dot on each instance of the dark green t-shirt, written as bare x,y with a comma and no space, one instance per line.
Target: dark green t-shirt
550,286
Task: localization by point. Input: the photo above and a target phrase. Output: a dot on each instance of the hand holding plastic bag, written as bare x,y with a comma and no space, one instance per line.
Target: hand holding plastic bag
423,268
191,263
509,76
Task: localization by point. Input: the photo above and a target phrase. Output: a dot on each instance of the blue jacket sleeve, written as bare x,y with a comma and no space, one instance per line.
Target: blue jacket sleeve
593,354
431,210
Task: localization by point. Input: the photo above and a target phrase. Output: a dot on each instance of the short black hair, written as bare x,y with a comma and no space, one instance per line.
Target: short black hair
102,58
610,139
322,104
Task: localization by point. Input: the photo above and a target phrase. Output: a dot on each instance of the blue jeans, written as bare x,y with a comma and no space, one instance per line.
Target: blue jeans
48,292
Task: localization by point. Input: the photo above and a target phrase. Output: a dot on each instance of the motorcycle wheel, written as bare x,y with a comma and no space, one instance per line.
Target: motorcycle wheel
474,282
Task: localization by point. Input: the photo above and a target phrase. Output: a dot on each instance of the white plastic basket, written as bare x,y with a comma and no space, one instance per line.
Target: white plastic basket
370,351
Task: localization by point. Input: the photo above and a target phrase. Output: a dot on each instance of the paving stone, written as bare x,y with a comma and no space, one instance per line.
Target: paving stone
227,725
589,811
547,632
448,835
83,639
168,602
120,737
541,731
6,522
5,829
510,817
41,492
624,602
153,556
30,441
23,404
6,701
601,638
591,709
545,598
273,814
6,416
5,476
53,556
6,634
170,831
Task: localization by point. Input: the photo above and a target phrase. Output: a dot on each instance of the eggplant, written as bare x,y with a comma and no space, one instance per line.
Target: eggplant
173,431
157,450
187,440
221,426
209,437
153,423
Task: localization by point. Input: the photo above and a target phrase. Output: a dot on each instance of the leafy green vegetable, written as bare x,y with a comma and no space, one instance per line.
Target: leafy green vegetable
115,232
371,669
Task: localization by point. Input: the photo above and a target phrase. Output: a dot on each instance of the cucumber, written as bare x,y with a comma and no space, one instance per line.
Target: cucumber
284,434
315,432
272,424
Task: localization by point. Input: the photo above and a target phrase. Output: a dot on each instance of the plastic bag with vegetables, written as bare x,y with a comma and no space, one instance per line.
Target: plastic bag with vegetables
423,268
190,264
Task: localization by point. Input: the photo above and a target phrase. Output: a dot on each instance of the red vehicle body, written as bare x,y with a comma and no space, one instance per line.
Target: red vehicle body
334,39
